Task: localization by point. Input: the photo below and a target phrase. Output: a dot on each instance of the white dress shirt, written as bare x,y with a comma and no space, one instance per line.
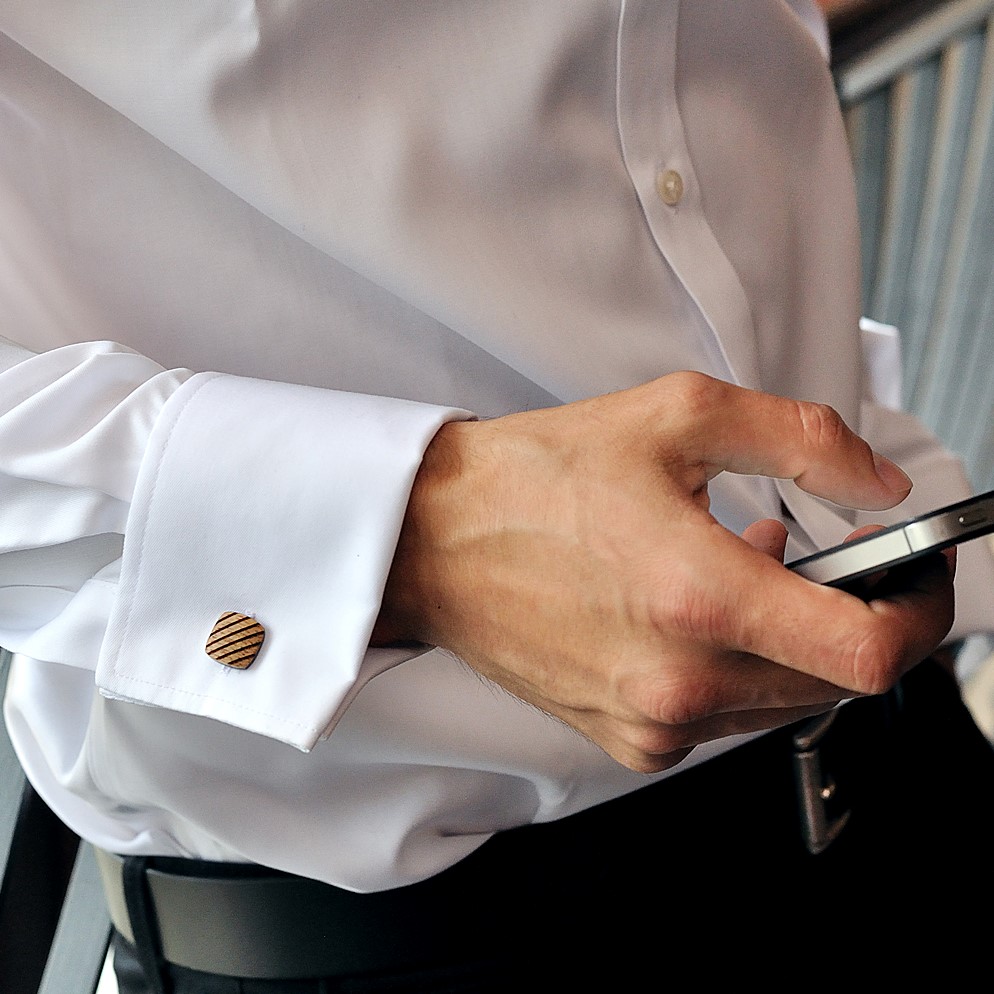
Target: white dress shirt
252,256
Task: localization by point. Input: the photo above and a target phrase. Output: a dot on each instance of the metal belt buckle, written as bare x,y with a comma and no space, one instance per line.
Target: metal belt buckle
813,790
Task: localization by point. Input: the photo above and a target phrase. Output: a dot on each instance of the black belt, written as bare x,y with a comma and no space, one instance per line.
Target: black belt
262,925
773,798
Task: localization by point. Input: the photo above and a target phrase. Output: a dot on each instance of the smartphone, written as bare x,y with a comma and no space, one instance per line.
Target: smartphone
900,543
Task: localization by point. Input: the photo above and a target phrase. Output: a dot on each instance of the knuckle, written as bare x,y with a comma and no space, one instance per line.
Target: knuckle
692,702
650,740
647,763
664,733
822,424
877,662
668,707
693,395
693,616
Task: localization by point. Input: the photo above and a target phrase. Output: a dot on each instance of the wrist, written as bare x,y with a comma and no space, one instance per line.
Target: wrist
413,598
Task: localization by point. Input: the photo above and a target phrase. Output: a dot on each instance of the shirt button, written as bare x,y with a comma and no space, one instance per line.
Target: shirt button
669,185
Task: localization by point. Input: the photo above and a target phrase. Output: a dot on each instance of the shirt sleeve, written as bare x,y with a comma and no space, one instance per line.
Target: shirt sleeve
141,504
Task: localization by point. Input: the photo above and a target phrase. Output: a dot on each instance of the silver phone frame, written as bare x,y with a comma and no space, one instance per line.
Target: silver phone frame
900,543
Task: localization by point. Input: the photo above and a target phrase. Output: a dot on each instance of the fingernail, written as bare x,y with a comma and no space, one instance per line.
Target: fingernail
891,475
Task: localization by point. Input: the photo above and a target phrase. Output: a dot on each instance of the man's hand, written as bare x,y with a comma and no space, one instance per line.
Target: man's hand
569,555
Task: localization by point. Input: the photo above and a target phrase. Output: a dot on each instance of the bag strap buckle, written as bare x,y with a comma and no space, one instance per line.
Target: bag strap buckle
814,791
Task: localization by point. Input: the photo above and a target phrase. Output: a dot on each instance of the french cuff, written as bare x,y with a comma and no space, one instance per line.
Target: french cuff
278,506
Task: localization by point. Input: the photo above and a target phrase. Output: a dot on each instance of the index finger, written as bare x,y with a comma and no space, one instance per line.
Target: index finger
750,432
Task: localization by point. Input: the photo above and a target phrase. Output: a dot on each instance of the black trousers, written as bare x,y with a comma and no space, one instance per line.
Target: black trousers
706,875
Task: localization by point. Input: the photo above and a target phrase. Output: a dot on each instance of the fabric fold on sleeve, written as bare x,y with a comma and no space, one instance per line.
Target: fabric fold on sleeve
74,422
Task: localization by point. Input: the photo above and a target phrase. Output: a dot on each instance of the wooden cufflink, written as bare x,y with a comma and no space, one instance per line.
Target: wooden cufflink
235,640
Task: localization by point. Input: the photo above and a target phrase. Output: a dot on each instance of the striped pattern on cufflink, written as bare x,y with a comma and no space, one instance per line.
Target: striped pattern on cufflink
235,640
